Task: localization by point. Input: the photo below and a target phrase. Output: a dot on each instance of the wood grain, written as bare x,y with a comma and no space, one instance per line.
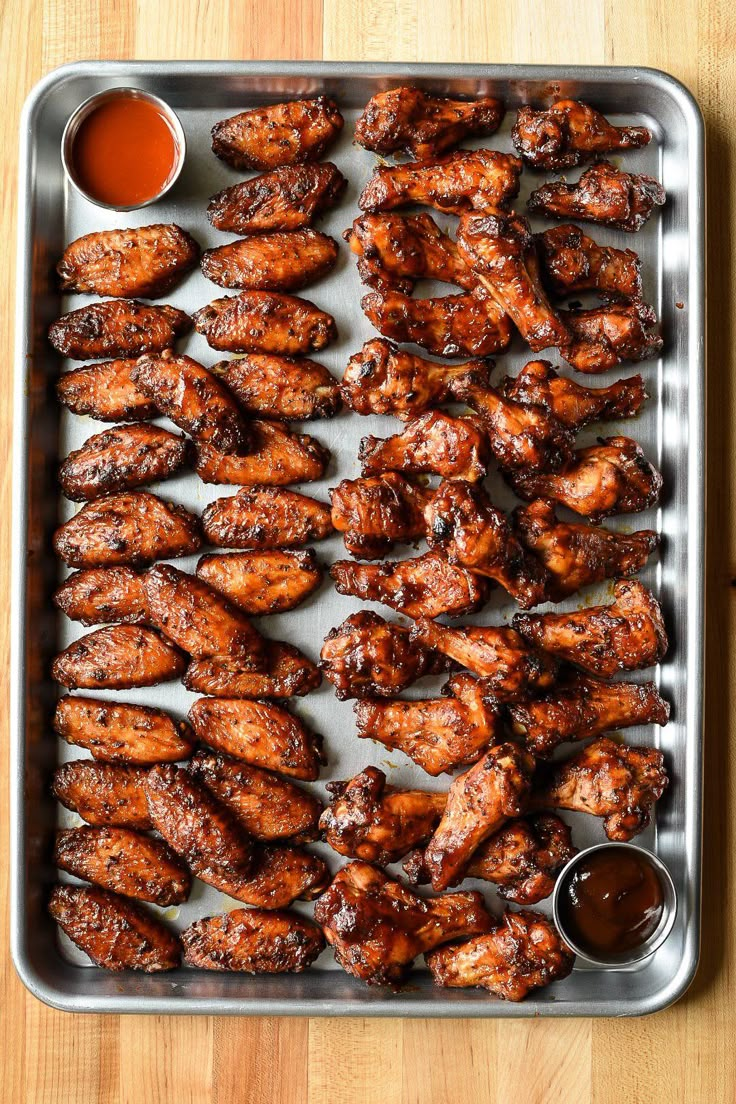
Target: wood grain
682,1056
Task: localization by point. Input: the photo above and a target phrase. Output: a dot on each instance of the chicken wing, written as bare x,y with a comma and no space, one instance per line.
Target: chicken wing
145,261
394,251
124,862
605,336
572,404
259,733
572,262
119,732
117,328
103,596
375,513
122,459
106,392
434,443
377,927
468,180
281,387
408,120
104,793
523,952
463,524
116,934
568,133
271,262
277,457
253,941
117,658
452,325
265,322
609,780
287,674
278,134
437,733
603,194
132,528
266,518
263,582
289,198
426,586
280,875
627,635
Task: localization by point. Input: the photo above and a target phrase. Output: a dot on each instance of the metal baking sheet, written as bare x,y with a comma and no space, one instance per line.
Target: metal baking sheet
671,430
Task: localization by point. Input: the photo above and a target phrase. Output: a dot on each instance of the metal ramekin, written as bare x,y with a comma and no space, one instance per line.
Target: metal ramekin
80,114
655,940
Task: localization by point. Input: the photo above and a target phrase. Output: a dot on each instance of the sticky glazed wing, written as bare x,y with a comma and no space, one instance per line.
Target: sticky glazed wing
572,263
125,862
111,794
288,198
577,555
266,518
277,457
271,262
117,328
408,120
279,134
434,443
468,180
377,927
462,523
280,876
102,596
570,403
605,336
603,194
120,732
122,459
265,322
523,952
263,582
583,707
374,513
147,261
288,673
252,941
568,133
279,387
627,635
426,586
452,325
619,783
117,658
106,392
394,251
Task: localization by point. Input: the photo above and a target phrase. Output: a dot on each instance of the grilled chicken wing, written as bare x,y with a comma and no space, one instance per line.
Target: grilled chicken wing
394,251
279,134
106,392
613,477
426,586
263,582
259,733
122,459
265,518
104,793
463,524
576,555
408,120
133,528
572,404
584,707
374,513
377,927
116,934
479,802
287,674
289,198
523,952
118,732
146,261
609,780
627,635
603,194
117,328
280,875
606,336
103,596
271,262
265,322
383,379
452,325
437,733
468,180
252,941
568,133
285,388
124,862
435,443
277,457
572,262
117,658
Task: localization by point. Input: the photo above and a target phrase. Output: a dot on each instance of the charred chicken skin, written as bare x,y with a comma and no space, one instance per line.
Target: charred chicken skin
452,326
570,403
568,133
112,794
124,862
106,392
280,875
287,674
280,387
119,732
374,513
122,459
289,198
117,328
266,518
117,658
603,194
103,596
606,336
252,941
394,251
279,134
265,322
572,262
468,180
435,443
263,582
410,121
147,261
271,262
277,457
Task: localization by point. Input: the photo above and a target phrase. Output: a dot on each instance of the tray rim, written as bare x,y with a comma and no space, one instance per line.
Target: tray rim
57,997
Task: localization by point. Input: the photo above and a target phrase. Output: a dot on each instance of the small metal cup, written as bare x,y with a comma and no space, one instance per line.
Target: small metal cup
85,109
655,940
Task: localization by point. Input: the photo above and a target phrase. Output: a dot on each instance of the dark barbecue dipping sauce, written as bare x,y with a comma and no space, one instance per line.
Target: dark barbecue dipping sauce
612,903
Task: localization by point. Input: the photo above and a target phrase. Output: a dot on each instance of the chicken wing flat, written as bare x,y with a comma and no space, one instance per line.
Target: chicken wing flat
605,336
426,586
452,325
577,555
383,379
277,457
106,392
265,322
287,674
434,443
132,528
146,261
613,477
468,180
117,328
119,732
462,523
253,941
572,262
438,734
116,934
263,582
524,952
479,802
268,807
572,404
266,518
509,668
375,513
609,780
279,134
117,658
377,927
271,262
603,194
289,198
584,707
627,635
394,251
103,596
280,875
372,821
568,133
124,862
408,120
285,388
122,459
104,793
259,733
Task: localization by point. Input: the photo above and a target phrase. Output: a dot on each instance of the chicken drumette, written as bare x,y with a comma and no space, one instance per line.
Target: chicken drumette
605,336
572,404
435,443
408,120
572,262
473,324
374,513
279,134
289,198
469,180
568,133
603,194
394,251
